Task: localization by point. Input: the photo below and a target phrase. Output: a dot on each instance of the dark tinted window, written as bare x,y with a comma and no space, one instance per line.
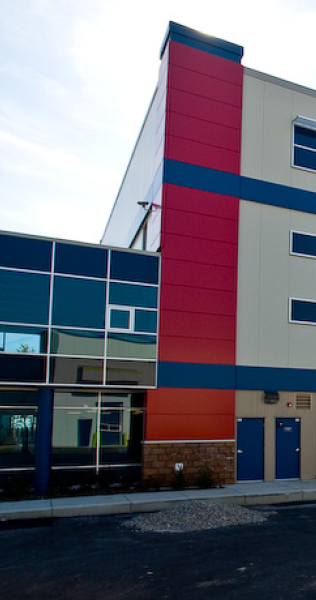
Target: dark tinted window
79,302
305,158
304,311
305,137
146,320
24,297
133,295
85,371
134,267
25,253
80,260
123,372
303,243
22,368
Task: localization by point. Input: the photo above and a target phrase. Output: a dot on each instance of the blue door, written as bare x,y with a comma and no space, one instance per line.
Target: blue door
287,441
250,454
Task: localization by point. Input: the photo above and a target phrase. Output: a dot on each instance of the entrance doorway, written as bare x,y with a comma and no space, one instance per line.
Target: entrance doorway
250,449
287,448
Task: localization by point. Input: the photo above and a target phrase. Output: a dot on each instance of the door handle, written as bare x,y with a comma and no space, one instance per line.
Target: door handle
297,449
240,451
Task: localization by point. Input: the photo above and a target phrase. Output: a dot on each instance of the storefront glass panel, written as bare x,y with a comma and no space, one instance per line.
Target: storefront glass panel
69,341
79,302
80,260
84,371
75,429
129,345
24,297
133,373
26,340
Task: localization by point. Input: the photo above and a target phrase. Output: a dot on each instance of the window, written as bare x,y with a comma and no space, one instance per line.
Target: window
80,260
303,244
127,266
120,319
129,345
24,297
304,147
25,253
126,294
302,311
79,302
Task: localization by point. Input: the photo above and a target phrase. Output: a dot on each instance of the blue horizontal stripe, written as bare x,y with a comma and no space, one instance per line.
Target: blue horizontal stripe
246,188
230,377
267,378
195,39
201,178
190,375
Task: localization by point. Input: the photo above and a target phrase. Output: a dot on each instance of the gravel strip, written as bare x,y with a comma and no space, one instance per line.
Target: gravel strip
196,516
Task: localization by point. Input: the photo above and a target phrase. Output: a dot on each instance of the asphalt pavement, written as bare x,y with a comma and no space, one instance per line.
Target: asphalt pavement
97,558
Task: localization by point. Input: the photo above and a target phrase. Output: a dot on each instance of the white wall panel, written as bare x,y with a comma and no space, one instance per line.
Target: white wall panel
136,183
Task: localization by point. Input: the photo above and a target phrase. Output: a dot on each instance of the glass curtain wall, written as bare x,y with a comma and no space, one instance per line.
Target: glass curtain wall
77,315
96,430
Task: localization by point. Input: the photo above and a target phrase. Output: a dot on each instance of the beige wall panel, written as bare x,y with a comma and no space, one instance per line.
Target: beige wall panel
252,127
302,278
248,284
267,277
269,108
274,288
277,128
263,286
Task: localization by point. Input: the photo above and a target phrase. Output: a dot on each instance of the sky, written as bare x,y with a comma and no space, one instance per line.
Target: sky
76,80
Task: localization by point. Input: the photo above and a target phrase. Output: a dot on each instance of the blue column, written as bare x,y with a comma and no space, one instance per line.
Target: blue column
44,441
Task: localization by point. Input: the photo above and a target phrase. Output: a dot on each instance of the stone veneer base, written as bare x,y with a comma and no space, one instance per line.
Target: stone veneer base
200,460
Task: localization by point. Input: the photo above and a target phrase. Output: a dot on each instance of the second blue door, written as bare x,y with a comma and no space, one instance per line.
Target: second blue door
287,441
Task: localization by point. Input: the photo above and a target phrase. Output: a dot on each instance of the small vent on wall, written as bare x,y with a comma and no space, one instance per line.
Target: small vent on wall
303,402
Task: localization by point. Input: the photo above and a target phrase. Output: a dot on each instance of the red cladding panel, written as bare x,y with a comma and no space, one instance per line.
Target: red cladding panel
198,275
203,251
200,202
203,131
205,63
199,240
196,350
185,325
199,300
206,109
205,86
203,155
200,226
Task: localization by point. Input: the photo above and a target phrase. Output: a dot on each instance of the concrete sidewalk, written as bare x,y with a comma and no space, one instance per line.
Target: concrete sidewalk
275,492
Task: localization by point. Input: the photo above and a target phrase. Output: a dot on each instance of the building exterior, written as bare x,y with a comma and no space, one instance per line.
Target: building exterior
228,158
187,340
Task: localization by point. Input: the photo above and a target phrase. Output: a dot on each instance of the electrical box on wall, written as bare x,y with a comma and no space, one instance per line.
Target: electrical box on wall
271,397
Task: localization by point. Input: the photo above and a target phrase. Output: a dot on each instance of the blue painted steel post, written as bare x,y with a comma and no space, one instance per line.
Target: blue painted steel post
44,441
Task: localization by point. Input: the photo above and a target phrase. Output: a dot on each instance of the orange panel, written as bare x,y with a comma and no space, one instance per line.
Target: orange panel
194,427
175,401
189,414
